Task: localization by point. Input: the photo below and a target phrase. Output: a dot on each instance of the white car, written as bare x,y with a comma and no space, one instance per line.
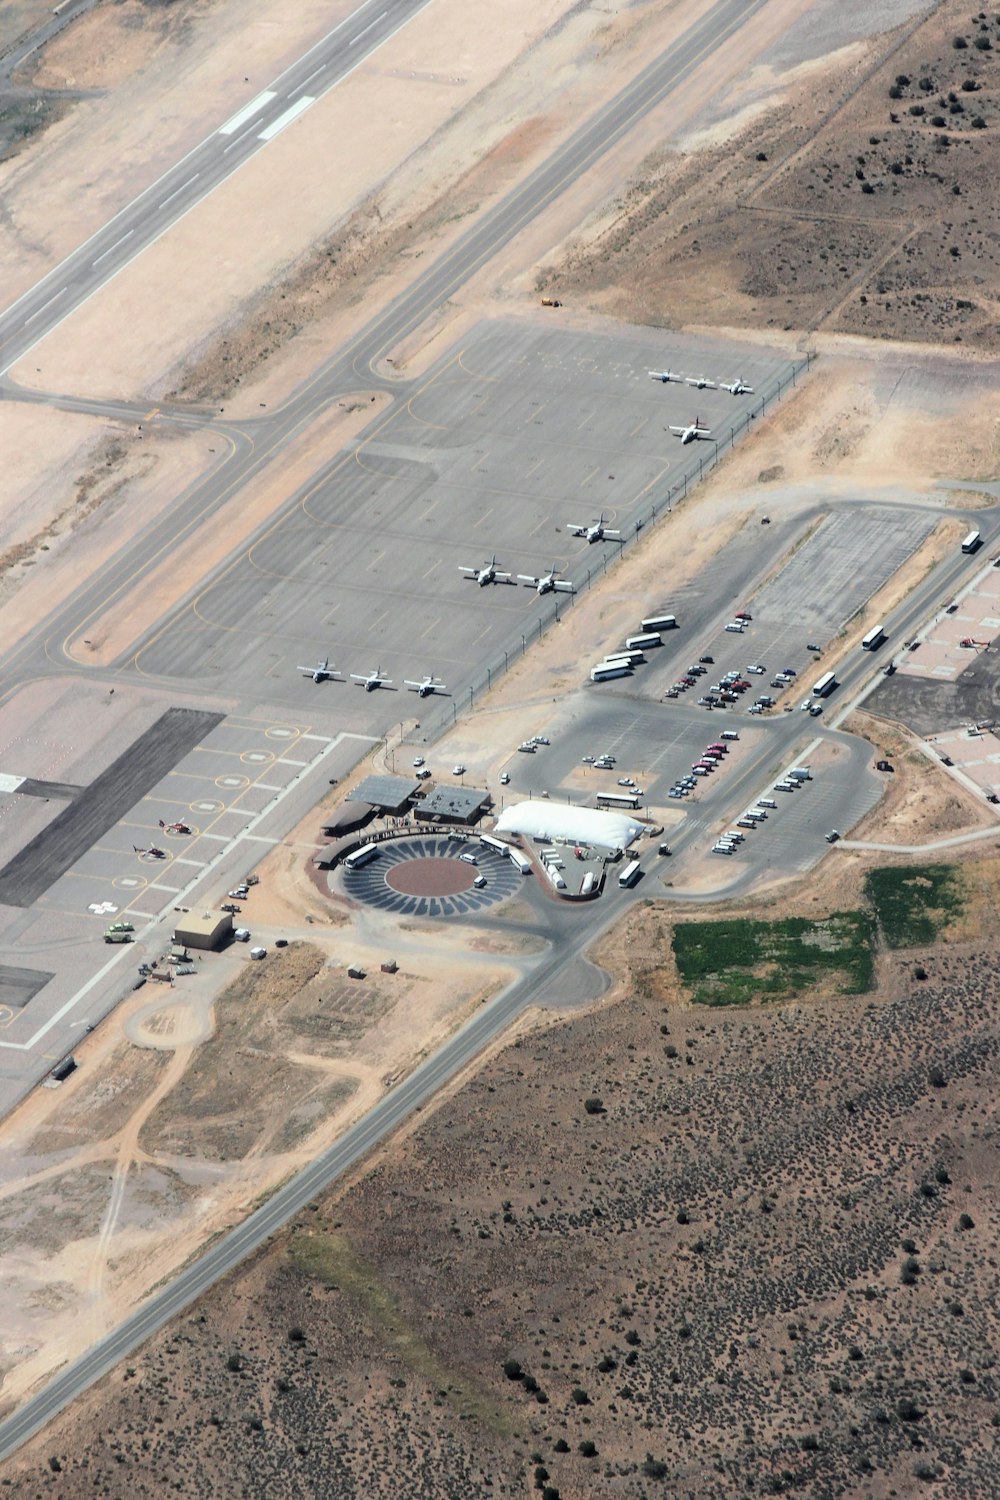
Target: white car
758,670
418,761
505,778
458,770
479,882
424,773
542,739
469,858
258,952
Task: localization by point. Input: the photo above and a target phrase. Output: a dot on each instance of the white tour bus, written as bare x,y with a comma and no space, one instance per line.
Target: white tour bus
361,857
604,671
618,799
642,642
629,874
825,685
660,622
972,542
873,639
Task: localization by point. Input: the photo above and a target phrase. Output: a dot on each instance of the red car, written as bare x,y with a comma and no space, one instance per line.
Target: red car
742,614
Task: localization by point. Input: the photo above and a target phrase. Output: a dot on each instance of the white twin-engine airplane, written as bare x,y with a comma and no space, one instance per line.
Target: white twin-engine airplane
546,583
595,532
320,672
701,382
737,387
487,573
372,680
426,686
693,431
665,376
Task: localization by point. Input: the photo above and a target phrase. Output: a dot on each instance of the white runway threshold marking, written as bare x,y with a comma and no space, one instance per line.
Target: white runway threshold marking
9,783
247,112
279,124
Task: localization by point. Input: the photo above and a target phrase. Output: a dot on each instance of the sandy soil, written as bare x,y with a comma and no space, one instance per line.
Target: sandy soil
740,1268
839,208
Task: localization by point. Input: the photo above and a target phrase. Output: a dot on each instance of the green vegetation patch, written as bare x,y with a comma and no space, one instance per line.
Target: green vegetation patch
738,961
913,903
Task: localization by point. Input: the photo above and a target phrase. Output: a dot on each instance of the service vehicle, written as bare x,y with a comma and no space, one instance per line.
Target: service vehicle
785,786
231,907
121,927
722,848
730,734
745,823
735,627
799,773
757,669
469,857
505,778
766,802
258,952
114,935
241,934
479,882
832,836
458,770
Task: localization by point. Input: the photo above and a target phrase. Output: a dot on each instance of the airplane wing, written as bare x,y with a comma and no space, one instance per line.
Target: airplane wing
527,578
611,533
564,586
502,577
681,430
470,572
358,677
576,530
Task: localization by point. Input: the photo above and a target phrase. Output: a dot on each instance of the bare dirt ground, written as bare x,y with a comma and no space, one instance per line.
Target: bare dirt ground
760,1265
197,1100
860,203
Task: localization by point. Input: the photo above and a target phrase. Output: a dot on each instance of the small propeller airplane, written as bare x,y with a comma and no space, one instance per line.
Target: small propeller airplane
665,376
321,672
372,680
488,573
427,686
595,532
547,583
737,387
151,853
174,827
692,431
701,382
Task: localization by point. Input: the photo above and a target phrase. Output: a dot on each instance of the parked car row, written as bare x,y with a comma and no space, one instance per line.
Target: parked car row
710,758
728,843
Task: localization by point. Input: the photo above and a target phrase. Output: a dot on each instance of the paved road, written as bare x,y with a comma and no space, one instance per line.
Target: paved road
558,975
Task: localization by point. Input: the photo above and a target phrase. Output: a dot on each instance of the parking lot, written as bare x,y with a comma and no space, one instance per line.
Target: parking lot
503,445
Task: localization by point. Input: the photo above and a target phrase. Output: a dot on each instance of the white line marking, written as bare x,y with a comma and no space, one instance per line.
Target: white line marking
177,191
306,81
276,126
247,112
368,28
238,141
199,864
44,305
107,252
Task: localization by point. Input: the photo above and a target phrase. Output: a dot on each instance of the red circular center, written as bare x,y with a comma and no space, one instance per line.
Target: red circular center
431,877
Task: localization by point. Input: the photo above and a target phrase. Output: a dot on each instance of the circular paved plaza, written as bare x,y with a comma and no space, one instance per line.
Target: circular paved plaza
424,877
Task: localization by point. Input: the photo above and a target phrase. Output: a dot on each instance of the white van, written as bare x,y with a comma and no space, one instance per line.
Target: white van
729,734
766,802
784,786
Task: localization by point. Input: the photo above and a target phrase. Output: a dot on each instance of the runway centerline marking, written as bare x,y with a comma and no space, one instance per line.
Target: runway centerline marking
314,74
353,42
177,191
44,305
107,252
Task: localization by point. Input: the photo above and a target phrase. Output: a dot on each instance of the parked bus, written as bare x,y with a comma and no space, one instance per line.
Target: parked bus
825,685
618,799
660,622
604,671
519,861
631,658
361,857
629,874
972,542
873,639
492,843
642,642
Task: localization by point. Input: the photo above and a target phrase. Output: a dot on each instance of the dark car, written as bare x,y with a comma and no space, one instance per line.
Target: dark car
231,907
946,760
890,669
709,659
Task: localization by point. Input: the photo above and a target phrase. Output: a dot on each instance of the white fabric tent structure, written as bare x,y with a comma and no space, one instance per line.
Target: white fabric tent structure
574,825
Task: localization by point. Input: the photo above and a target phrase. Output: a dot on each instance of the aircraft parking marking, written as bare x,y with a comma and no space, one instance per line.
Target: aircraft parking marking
375,560
434,625
638,427
588,418
485,517
545,521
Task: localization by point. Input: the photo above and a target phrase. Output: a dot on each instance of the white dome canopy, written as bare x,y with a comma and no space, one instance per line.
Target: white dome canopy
577,825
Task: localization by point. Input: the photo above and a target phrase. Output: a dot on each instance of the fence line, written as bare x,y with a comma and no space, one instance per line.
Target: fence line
675,494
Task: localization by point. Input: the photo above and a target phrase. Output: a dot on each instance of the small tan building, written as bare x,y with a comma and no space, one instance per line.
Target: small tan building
206,929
